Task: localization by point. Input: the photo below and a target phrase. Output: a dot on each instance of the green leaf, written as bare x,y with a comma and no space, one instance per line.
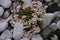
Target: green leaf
27,29
39,23
27,12
20,1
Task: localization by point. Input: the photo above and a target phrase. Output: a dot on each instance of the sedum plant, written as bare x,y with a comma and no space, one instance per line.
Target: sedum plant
31,16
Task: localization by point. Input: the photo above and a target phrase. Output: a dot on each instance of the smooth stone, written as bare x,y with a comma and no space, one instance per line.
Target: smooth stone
37,37
27,2
58,24
48,0
51,28
5,3
6,14
55,37
48,18
8,39
24,39
1,11
3,25
18,31
54,26
57,13
6,35
48,30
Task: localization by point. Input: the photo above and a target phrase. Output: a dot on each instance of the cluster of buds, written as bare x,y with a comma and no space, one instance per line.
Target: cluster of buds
32,17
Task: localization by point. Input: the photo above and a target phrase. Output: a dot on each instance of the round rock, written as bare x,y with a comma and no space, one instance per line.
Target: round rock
6,14
48,18
6,35
5,3
3,25
53,26
1,11
26,3
58,24
18,31
57,13
37,37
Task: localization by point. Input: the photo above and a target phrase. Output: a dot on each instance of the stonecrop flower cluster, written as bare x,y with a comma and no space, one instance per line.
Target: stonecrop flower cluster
32,17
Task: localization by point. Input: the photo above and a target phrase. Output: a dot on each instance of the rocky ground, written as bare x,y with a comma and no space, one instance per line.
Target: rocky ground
12,29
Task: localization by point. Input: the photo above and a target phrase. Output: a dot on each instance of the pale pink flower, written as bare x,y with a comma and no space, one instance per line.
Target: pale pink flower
34,19
23,16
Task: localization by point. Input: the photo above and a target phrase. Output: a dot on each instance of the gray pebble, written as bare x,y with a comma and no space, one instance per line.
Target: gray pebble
6,35
58,24
8,39
46,32
5,3
3,25
26,2
37,37
6,14
57,13
1,11
53,26
48,18
18,31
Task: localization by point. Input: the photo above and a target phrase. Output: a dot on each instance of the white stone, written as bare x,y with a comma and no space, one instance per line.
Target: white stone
6,35
57,13
5,3
24,39
6,14
37,37
48,18
58,24
1,11
3,25
48,0
8,39
18,31
26,3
